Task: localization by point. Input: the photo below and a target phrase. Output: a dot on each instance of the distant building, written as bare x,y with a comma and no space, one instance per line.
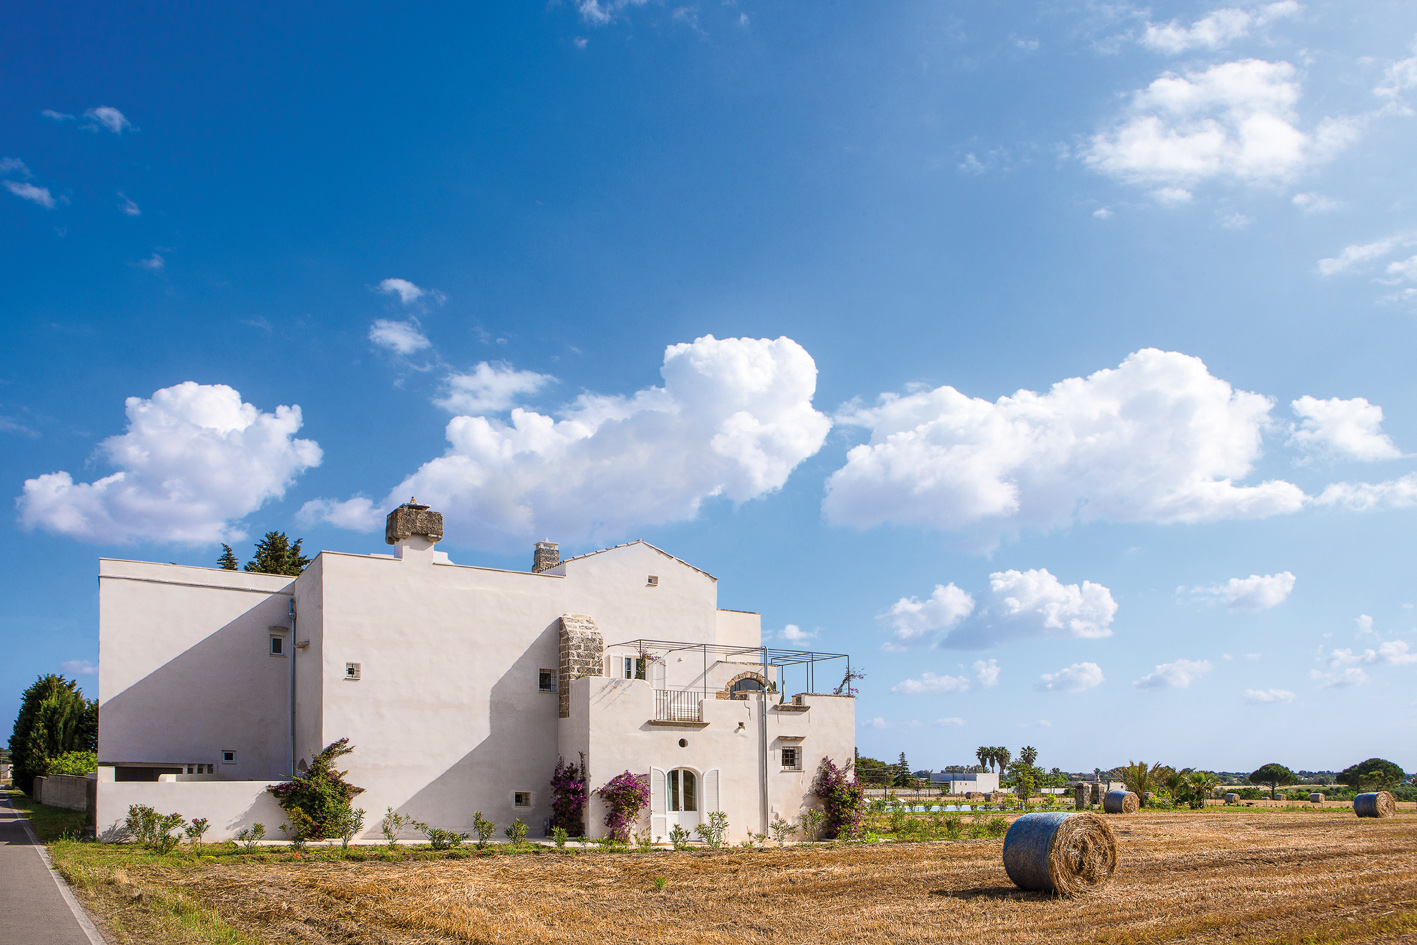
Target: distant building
962,782
459,687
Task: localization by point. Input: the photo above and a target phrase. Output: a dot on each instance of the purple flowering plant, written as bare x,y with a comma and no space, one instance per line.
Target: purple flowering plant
625,795
843,799
568,797
312,797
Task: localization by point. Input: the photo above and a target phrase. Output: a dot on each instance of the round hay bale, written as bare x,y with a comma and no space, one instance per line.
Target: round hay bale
1068,854
1377,804
1316,798
1232,798
1120,802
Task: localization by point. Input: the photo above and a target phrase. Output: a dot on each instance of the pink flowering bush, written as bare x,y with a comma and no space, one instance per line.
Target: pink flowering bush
568,797
843,799
625,795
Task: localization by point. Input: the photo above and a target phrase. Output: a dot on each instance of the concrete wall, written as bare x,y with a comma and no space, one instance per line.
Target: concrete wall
62,790
185,671
229,806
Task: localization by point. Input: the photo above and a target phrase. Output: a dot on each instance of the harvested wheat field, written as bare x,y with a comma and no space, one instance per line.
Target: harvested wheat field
1184,877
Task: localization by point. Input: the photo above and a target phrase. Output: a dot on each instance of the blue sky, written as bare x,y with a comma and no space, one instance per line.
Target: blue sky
1052,359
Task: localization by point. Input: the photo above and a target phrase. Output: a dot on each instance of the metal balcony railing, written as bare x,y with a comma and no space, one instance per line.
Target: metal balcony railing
678,706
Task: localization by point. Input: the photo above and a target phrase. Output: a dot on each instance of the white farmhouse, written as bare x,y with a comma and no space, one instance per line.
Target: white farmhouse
460,688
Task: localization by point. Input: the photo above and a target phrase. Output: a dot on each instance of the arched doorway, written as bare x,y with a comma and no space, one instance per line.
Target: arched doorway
682,797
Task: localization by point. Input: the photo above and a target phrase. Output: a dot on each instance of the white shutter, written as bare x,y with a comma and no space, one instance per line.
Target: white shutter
656,674
658,808
711,791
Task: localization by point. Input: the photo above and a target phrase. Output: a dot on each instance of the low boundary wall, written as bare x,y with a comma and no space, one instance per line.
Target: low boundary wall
229,806
64,790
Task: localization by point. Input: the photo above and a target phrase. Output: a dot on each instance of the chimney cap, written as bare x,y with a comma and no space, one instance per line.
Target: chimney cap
412,519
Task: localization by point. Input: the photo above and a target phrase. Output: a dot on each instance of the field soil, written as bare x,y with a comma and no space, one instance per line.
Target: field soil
1233,876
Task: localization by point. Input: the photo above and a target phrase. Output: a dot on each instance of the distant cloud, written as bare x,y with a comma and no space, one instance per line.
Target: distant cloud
1256,592
1157,439
1353,676
877,723
78,667
1391,653
1075,678
987,673
1369,496
108,118
407,292
1316,203
154,262
1267,696
489,388
1018,604
52,115
400,337
15,166
953,721
194,459
128,206
1234,121
1216,29
733,419
795,635
603,12
1177,675
1399,76
357,514
1343,429
1357,257
929,682
28,191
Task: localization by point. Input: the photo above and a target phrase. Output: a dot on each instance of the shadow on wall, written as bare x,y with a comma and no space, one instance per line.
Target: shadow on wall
224,693
518,754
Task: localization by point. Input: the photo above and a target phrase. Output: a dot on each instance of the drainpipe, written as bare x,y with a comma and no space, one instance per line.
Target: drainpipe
763,738
294,648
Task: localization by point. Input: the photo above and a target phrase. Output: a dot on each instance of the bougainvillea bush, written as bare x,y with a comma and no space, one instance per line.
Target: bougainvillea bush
843,799
568,797
312,797
625,795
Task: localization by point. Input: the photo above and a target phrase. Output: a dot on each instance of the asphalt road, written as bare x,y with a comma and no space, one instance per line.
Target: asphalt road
33,910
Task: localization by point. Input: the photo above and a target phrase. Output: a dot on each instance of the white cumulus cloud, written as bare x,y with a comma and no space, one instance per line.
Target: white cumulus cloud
1267,696
1214,30
602,12
1347,429
108,118
987,673
1367,496
1356,257
27,191
733,419
1235,121
916,621
78,667
953,721
488,388
1352,676
407,292
399,337
1256,592
929,682
1390,653
1177,675
1157,439
358,514
791,633
1075,678
194,459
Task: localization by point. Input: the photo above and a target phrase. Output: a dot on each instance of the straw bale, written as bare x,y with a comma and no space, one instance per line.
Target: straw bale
1376,804
1316,798
1064,853
1232,798
1120,802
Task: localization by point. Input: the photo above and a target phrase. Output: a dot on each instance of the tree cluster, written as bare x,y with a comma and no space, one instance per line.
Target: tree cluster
54,719
275,554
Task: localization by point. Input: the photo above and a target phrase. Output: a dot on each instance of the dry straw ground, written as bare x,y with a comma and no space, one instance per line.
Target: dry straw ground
1183,877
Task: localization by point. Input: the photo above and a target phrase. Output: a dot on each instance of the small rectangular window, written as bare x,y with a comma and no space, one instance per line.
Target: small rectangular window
546,680
351,671
521,799
653,580
277,645
228,757
627,667
791,759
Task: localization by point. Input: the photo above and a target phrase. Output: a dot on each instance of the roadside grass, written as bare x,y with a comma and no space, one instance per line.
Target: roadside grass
49,823
1208,877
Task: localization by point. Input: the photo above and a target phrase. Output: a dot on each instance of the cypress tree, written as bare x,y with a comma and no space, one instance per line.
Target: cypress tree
54,718
276,555
227,561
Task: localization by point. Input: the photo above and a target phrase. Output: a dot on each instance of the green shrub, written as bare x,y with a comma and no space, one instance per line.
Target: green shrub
713,832
484,829
811,821
516,832
154,830
345,823
195,831
392,825
781,829
558,837
679,837
440,839
310,799
249,837
77,763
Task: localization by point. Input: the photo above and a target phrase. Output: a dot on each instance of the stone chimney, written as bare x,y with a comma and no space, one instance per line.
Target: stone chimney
413,525
548,555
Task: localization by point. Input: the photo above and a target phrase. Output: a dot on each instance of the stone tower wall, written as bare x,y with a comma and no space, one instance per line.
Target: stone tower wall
582,654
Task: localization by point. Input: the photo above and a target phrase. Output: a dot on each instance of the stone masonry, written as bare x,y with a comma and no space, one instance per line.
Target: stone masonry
582,654
412,519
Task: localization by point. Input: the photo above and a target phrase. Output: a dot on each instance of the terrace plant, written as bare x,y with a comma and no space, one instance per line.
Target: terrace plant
625,795
312,797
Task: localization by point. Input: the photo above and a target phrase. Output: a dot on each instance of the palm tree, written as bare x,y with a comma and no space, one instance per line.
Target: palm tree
1028,755
1140,779
1003,757
983,754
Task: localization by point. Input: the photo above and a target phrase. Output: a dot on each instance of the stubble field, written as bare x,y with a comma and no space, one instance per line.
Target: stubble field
1183,877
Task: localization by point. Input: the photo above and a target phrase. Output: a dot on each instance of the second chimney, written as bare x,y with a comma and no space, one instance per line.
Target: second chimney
548,555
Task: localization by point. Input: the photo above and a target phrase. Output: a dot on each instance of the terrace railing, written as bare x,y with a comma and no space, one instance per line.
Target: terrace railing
670,706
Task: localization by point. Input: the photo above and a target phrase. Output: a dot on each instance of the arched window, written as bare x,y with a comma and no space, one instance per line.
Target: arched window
746,684
683,790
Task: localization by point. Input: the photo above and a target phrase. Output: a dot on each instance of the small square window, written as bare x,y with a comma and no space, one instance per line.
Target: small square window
228,757
653,580
277,645
521,799
351,671
791,759
546,680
